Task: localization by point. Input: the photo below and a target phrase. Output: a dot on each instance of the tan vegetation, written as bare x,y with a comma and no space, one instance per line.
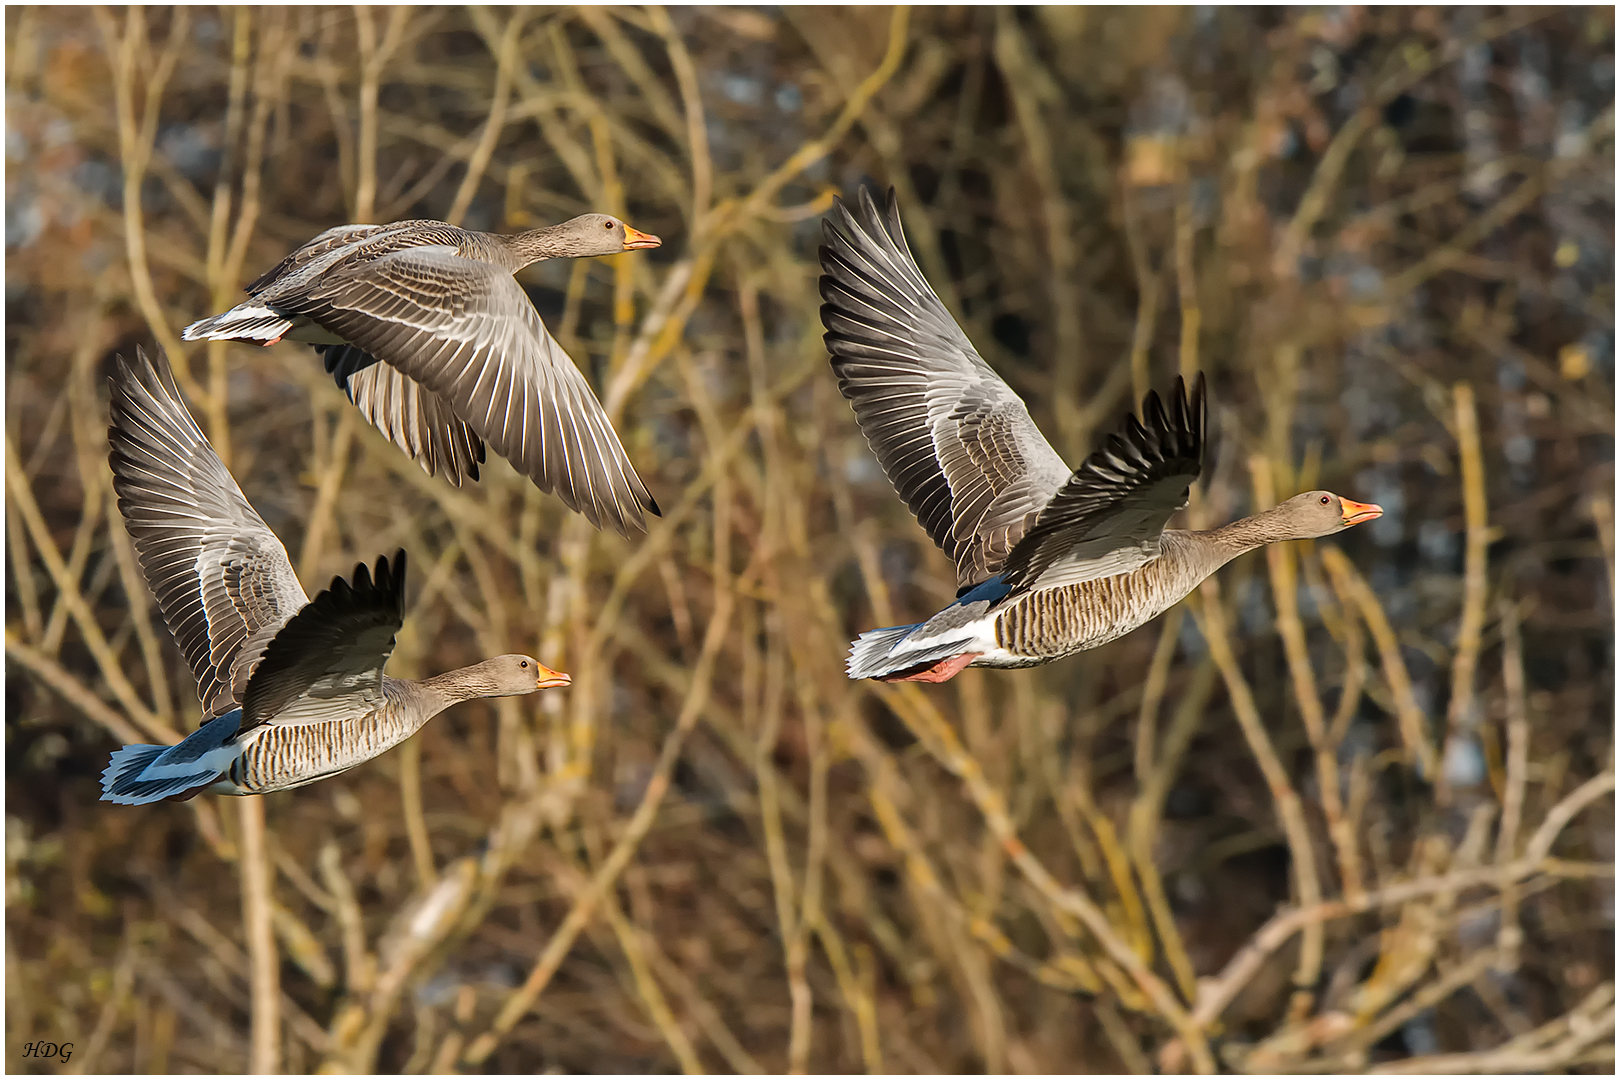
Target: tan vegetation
1349,807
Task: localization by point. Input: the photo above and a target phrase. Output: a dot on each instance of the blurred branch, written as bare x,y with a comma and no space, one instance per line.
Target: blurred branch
1499,214
232,959
373,58
1412,724
258,927
1154,782
328,486
653,997
522,999
1558,1043
410,797
919,715
1217,993
22,574
1602,511
135,140
106,659
697,134
505,59
1510,936
123,981
1302,853
1022,71
816,149
75,693
1459,716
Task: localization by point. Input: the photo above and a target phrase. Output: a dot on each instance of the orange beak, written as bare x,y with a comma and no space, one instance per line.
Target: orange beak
549,678
635,238
1354,513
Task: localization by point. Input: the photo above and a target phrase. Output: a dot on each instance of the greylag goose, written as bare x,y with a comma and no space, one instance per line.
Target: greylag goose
1048,562
464,356
292,689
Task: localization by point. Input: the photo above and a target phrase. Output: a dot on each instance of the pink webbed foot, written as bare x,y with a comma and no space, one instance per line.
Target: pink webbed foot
945,669
272,341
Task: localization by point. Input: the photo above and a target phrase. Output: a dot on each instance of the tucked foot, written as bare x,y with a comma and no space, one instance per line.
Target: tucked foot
272,341
936,673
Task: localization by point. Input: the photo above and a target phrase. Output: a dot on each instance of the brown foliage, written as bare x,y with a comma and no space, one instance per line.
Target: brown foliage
1346,808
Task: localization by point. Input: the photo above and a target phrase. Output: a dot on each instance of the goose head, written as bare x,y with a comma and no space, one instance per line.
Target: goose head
594,234
511,675
1322,513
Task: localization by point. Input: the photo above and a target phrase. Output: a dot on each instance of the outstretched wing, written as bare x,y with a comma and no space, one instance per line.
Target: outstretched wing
413,418
1108,517
327,661
221,577
955,441
466,332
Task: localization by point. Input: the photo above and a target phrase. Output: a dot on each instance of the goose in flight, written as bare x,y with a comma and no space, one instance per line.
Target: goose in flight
292,689
424,327
1049,561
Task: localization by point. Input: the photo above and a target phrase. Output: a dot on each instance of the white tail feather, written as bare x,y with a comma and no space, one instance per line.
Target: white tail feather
141,774
245,322
127,779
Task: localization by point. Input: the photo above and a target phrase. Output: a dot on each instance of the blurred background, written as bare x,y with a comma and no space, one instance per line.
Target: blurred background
1346,808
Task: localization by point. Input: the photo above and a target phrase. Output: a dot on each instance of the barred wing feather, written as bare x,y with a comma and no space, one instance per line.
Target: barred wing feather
954,439
467,333
221,577
413,418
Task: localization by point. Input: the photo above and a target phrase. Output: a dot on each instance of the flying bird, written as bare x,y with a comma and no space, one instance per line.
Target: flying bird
292,689
1049,561
424,327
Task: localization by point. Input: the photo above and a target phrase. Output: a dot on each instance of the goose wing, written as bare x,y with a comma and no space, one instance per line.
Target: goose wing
221,577
413,418
326,244
326,662
1108,517
466,332
956,442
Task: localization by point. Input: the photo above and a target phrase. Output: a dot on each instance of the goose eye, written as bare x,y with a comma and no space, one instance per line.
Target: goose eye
523,663
1325,500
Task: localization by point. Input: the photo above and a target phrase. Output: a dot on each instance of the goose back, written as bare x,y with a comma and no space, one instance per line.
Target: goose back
345,244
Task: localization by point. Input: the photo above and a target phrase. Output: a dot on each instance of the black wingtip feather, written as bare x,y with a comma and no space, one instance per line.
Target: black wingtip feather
366,588
374,596
1141,451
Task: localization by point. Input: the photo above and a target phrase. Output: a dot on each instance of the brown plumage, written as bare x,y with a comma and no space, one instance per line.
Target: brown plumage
1048,562
292,689
423,326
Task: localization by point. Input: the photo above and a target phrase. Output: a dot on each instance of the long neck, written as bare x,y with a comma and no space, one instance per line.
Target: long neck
1246,534
439,692
536,244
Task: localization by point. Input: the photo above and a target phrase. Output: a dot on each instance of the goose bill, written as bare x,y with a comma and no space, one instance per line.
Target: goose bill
635,238
549,678
1354,513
